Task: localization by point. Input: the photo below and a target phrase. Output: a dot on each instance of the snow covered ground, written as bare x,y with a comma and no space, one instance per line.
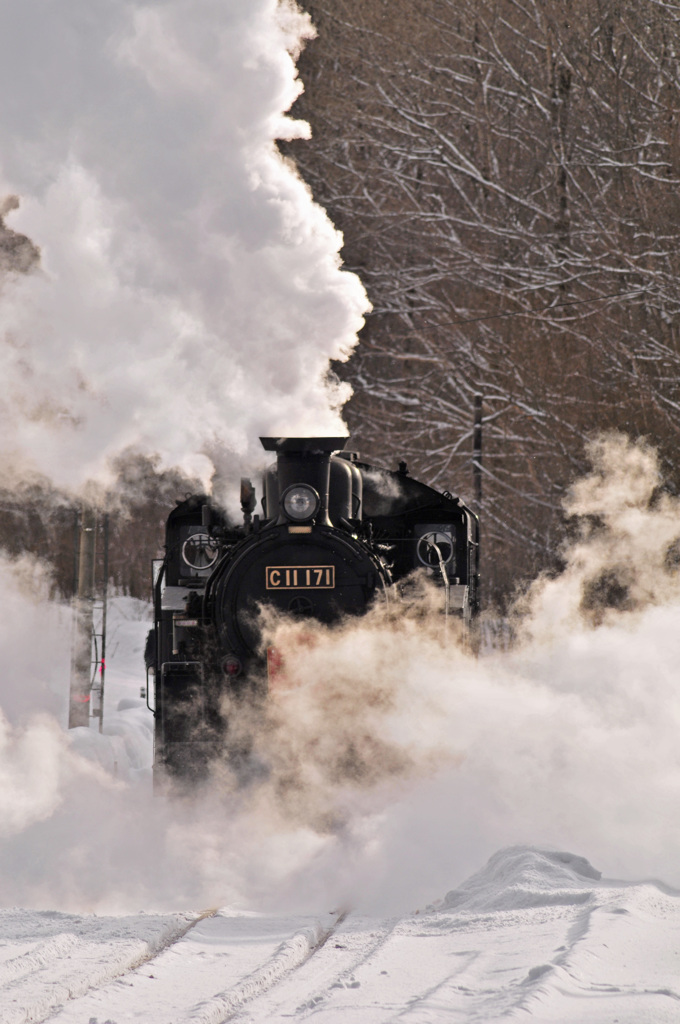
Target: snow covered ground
533,934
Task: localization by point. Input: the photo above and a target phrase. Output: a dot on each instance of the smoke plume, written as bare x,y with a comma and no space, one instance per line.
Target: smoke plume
189,294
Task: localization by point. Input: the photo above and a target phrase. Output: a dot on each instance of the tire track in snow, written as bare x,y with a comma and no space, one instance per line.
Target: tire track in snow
345,978
331,970
36,958
21,1004
289,957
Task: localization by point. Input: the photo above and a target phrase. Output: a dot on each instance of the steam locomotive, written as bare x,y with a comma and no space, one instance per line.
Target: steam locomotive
335,536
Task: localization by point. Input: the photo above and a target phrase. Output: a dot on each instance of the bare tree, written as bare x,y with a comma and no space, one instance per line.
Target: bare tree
506,176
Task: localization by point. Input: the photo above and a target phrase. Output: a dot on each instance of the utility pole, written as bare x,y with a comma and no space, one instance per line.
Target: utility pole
105,597
477,453
477,486
83,608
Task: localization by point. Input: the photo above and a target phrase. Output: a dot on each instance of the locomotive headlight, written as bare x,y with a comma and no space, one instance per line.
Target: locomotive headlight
300,502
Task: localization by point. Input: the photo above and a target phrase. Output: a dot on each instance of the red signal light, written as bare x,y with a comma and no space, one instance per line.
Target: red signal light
231,666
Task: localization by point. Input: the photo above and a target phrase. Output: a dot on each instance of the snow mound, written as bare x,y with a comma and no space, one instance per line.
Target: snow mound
522,876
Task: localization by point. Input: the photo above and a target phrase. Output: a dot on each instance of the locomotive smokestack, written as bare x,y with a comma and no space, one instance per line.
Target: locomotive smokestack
305,461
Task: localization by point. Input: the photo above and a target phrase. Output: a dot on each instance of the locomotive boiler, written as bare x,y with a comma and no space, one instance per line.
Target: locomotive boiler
335,536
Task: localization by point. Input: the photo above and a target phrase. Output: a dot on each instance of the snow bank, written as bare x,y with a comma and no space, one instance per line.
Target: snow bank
523,877
124,747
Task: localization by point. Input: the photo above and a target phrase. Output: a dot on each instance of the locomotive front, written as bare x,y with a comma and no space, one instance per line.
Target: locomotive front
334,537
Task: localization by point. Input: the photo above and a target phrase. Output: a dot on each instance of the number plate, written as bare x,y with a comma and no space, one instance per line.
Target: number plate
300,577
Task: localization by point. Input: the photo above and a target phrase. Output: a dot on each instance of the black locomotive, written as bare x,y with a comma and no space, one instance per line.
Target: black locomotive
335,536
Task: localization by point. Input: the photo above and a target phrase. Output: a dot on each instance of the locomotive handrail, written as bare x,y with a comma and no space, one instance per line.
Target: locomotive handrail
445,576
157,587
152,710
156,629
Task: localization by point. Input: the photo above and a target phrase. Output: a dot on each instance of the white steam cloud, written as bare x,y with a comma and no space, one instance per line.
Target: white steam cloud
400,760
190,294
